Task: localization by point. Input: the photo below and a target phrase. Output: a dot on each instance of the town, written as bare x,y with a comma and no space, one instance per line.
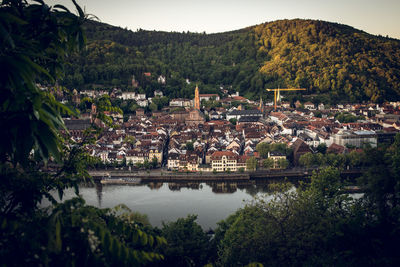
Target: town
233,135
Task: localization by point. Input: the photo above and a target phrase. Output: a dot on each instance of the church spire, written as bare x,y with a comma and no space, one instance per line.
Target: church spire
196,98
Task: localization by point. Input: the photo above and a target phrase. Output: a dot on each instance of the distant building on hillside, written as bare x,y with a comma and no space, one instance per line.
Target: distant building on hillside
208,97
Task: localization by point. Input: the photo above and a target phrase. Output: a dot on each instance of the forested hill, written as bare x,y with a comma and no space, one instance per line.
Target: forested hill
326,58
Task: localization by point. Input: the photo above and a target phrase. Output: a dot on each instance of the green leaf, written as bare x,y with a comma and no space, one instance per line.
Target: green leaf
61,7
58,242
135,237
143,238
151,240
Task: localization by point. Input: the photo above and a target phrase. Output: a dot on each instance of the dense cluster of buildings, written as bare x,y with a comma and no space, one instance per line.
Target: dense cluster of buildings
197,139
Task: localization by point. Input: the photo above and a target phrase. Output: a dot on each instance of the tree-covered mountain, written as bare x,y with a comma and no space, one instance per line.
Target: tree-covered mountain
326,58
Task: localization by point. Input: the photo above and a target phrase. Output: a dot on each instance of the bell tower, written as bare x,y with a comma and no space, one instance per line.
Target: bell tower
196,98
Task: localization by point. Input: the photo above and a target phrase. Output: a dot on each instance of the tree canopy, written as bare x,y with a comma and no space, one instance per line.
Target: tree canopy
35,41
330,59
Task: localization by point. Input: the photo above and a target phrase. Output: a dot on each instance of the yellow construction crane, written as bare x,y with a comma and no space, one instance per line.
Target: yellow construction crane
284,89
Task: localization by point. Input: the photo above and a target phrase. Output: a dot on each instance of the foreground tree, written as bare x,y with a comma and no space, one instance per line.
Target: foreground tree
188,245
35,40
318,225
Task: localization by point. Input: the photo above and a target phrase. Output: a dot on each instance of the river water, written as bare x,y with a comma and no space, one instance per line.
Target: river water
165,202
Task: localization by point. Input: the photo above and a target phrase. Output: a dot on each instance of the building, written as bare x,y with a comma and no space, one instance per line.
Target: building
161,79
237,114
207,97
195,118
134,156
179,102
128,95
173,161
309,105
285,104
355,138
276,156
158,93
196,98
222,161
77,127
299,148
142,102
140,112
156,152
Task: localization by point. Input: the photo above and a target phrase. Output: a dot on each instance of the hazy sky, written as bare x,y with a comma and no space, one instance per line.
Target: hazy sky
373,16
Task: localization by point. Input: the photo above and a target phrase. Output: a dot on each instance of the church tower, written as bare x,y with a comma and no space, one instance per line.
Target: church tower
93,113
196,98
261,105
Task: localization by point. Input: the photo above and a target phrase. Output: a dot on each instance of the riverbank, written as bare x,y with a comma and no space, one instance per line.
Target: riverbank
122,176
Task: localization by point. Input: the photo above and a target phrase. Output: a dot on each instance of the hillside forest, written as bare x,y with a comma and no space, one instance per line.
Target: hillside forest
328,59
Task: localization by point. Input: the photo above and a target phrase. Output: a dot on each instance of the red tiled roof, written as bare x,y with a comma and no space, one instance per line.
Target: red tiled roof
217,155
239,98
335,148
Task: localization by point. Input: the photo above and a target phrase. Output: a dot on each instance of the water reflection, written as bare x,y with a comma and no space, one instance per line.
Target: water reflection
216,187
250,187
211,201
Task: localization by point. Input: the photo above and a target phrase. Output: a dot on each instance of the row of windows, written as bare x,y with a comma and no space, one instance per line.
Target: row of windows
224,165
224,169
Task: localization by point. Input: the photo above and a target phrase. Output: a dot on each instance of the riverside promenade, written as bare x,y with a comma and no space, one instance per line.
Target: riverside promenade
126,176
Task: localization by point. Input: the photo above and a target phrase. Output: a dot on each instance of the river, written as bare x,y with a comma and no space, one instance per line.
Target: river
165,202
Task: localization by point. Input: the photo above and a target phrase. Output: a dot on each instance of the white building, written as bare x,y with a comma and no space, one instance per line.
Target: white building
356,138
128,95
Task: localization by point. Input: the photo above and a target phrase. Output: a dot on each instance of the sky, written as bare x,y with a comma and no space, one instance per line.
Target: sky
373,16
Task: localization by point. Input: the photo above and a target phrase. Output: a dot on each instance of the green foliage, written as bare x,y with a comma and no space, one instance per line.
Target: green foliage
352,159
36,39
154,162
325,58
211,104
321,148
146,164
268,163
74,233
160,102
189,146
188,245
233,121
153,107
30,116
130,139
382,180
104,108
311,226
263,148
283,163
251,164
319,225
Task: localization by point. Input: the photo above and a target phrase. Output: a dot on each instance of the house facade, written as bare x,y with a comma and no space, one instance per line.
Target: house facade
222,161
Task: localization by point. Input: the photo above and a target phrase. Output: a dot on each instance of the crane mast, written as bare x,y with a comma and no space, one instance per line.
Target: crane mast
277,92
